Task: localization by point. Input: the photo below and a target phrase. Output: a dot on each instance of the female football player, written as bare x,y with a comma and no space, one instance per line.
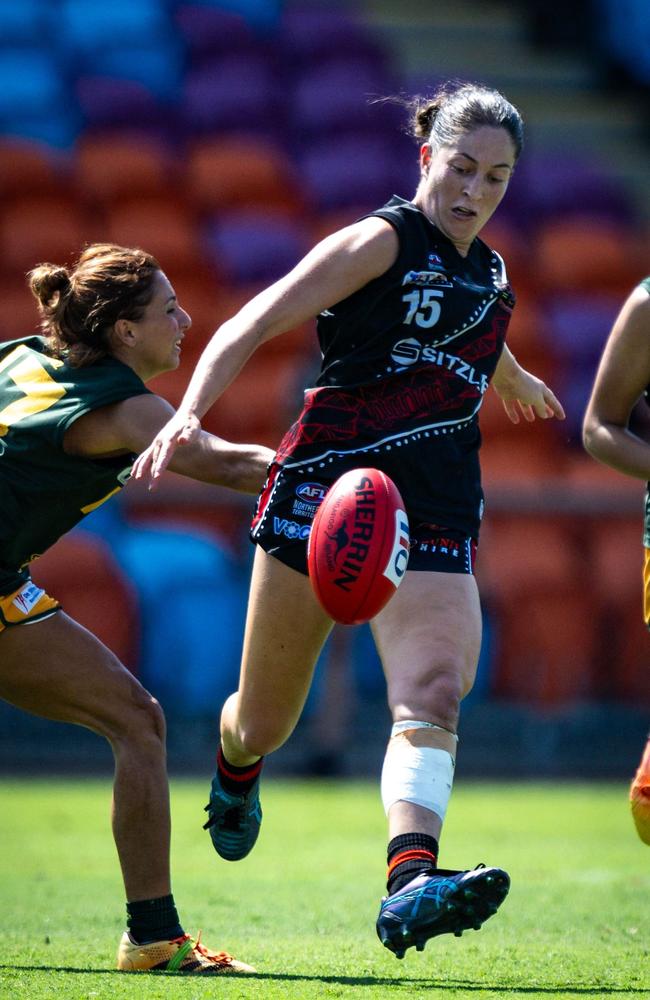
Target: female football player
74,411
623,377
412,312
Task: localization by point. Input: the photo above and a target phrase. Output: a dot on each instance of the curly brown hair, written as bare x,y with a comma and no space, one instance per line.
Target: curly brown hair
80,304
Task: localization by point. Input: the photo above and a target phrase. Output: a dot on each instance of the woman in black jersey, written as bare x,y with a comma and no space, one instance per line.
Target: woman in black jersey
412,314
74,411
623,377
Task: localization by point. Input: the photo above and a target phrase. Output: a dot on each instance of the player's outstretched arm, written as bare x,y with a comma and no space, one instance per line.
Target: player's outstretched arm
523,393
334,269
131,425
622,377
181,429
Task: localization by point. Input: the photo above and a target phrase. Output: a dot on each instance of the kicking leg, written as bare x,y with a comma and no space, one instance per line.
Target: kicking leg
285,631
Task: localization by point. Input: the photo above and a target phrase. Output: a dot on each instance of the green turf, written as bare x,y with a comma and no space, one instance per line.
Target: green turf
302,907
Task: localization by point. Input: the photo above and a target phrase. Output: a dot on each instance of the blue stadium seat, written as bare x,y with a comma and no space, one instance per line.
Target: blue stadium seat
191,599
25,22
86,27
31,84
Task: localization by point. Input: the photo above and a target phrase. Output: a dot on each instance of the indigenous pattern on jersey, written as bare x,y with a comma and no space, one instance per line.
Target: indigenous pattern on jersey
44,491
407,360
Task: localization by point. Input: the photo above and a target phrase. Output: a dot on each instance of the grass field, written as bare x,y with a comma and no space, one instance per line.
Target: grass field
302,907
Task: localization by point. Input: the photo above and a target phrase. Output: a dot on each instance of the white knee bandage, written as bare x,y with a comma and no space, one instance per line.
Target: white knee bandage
419,766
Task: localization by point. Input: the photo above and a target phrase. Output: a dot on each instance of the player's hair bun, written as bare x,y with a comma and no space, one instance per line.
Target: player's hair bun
424,118
48,281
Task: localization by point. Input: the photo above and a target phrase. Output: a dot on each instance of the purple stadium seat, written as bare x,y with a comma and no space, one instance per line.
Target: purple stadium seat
224,95
311,34
357,171
210,32
578,324
109,102
342,95
248,246
559,185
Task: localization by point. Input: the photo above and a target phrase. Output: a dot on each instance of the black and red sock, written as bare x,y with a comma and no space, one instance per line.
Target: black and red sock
237,780
409,855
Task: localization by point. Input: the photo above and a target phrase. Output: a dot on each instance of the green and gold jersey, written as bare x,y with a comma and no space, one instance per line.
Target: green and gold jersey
44,491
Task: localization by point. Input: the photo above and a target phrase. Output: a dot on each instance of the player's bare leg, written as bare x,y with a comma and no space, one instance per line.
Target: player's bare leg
58,670
285,631
429,639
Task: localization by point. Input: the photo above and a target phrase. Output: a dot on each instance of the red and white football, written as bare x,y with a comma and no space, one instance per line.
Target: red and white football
358,546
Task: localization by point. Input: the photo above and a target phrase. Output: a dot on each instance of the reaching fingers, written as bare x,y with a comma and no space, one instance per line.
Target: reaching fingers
511,410
553,405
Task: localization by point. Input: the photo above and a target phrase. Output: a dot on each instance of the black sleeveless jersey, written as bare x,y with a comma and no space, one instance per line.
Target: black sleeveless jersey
411,351
44,491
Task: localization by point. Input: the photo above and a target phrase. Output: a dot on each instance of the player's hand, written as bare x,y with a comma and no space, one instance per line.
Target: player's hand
183,428
526,395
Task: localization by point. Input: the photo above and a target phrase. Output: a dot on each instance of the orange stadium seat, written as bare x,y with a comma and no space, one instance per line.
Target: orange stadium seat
532,572
30,168
583,253
233,172
507,239
163,226
615,549
123,165
19,316
80,572
260,404
37,229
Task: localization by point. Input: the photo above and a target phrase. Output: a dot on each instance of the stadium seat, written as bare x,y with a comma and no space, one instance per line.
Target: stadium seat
356,171
532,571
311,34
19,316
111,102
261,403
119,164
31,83
583,253
238,171
161,225
87,28
154,62
209,31
191,599
218,97
339,98
553,187
261,14
577,326
25,22
81,572
31,168
546,646
248,246
51,228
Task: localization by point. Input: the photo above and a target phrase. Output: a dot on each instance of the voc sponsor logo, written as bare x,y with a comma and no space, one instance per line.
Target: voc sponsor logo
290,529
